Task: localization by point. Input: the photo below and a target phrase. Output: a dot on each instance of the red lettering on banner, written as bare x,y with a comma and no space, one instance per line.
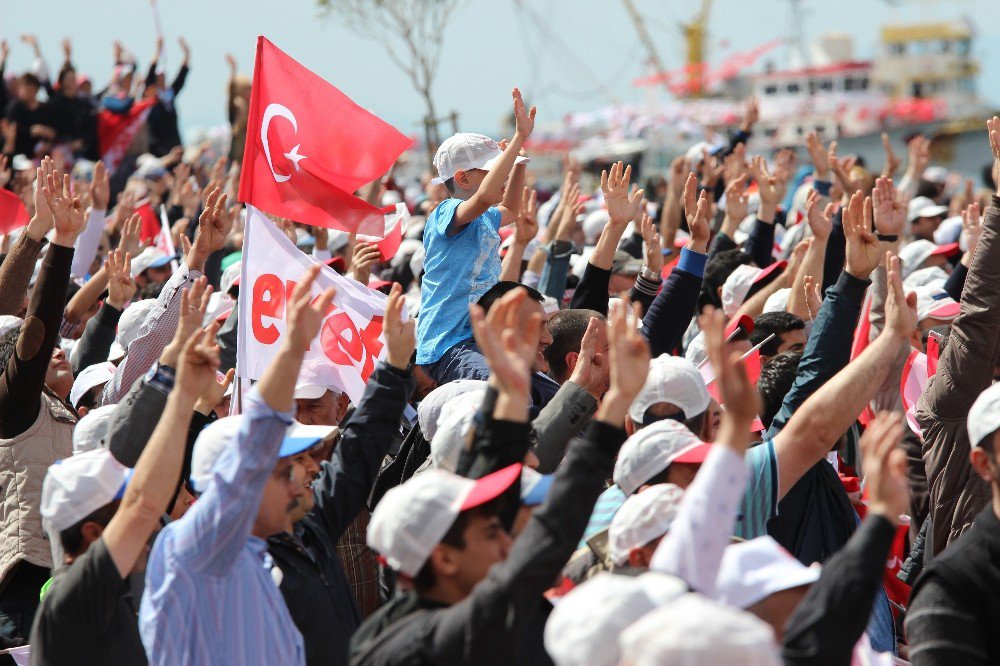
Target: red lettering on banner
268,301
344,345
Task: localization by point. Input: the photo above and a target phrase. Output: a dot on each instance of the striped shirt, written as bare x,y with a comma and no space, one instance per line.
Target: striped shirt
211,595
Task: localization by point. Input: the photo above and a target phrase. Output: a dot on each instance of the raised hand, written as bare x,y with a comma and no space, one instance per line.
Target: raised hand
699,215
5,171
194,304
863,250
400,334
622,205
900,307
366,255
100,187
526,227
121,286
751,115
185,49
993,128
231,61
510,352
734,165
737,205
884,465
889,211
305,314
842,170
819,156
568,212
918,153
129,241
679,169
738,393
820,223
814,296
199,363
591,370
42,220
213,228
67,210
653,250
891,161
771,189
524,118
629,351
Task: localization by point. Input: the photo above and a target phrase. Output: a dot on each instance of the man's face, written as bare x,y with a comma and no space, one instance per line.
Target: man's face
27,92
328,409
59,374
284,491
924,227
486,544
161,274
529,308
792,340
307,501
68,85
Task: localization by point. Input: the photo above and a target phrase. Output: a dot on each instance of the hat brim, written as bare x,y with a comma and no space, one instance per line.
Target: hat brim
948,250
945,311
744,322
295,444
930,211
693,455
491,486
539,492
765,275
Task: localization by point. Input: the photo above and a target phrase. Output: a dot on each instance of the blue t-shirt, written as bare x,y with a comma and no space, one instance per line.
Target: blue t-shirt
458,270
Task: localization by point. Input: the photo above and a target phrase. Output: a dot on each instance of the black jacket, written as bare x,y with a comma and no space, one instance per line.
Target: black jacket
954,614
313,580
486,627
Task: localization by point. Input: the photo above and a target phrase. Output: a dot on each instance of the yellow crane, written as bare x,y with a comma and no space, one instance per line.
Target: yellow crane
695,36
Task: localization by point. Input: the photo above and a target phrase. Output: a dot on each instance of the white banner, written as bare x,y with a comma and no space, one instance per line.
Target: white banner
350,341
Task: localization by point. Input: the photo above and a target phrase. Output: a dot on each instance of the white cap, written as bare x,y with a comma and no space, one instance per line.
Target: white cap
151,257
9,322
91,429
924,207
337,239
216,437
412,518
935,174
21,163
91,376
79,485
984,417
778,301
465,151
593,225
310,383
130,323
584,626
934,302
694,631
642,518
932,275
652,450
675,380
220,304
754,570
949,231
453,426
229,277
429,411
736,288
695,351
916,252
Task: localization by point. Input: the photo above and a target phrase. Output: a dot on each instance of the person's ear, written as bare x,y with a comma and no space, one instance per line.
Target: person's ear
629,426
718,292
571,359
461,179
444,560
91,532
639,558
916,339
82,411
980,460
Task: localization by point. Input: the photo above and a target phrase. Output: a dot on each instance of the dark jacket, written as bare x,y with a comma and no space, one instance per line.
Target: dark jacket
313,582
485,627
954,614
966,368
829,621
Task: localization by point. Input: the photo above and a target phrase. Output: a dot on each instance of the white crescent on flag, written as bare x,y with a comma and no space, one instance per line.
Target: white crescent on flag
273,111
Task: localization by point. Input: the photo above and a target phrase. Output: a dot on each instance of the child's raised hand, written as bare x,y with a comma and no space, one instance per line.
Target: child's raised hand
524,119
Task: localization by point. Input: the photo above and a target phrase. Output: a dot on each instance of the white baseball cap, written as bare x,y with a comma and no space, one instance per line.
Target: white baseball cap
311,384
584,626
778,301
652,450
932,275
129,324
79,485
924,207
754,570
984,417
151,257
935,302
465,151
935,174
89,377
593,225
675,380
412,518
216,436
91,429
429,411
737,286
916,252
453,426
694,631
642,518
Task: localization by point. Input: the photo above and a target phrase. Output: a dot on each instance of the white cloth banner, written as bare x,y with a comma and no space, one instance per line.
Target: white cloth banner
350,341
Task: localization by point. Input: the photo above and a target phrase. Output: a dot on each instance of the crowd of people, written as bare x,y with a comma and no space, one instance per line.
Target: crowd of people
743,415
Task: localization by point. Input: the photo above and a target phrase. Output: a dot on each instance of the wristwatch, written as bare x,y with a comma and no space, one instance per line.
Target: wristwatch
650,274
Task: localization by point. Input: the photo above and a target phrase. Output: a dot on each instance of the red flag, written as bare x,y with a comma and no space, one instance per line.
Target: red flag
397,217
115,131
309,147
150,222
13,214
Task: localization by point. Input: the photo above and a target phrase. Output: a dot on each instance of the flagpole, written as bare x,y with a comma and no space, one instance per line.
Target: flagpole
752,350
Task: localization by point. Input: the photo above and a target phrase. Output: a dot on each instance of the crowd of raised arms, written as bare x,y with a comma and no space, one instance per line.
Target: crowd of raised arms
743,415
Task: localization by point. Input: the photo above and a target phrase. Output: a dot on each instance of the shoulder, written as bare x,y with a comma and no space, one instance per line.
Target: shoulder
441,216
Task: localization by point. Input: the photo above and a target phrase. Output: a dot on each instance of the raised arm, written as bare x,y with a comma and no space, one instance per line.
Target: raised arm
821,224
490,190
760,244
90,239
525,231
15,272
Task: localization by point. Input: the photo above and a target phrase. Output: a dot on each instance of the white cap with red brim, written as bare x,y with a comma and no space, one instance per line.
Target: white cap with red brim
653,449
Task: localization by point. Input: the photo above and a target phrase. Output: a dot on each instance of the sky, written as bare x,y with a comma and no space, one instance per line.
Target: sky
565,55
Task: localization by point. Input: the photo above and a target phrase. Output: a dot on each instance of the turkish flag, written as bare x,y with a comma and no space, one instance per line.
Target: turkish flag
13,214
115,131
309,147
150,222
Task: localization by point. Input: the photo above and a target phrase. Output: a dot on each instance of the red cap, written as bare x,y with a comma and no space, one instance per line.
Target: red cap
337,264
744,322
491,487
948,249
947,310
765,273
694,454
375,285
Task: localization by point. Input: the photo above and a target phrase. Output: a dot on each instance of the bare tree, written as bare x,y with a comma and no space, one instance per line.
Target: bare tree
412,32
